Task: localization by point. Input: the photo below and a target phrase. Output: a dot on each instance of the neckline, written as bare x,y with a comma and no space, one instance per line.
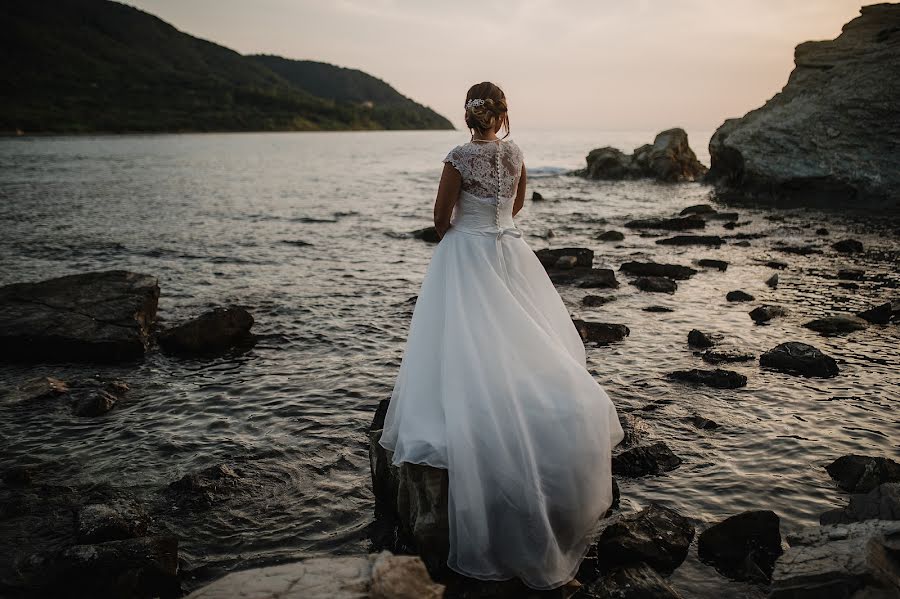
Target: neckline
484,142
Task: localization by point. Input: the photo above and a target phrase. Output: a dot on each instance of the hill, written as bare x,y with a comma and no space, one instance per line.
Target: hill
69,66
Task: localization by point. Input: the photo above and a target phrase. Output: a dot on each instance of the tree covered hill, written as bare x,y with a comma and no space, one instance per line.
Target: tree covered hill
72,66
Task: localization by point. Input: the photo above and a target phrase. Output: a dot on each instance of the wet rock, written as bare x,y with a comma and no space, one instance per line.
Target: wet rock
657,536
744,546
800,359
92,317
548,257
711,263
739,296
598,278
593,301
635,429
848,285
698,209
640,460
776,264
655,284
653,269
697,338
840,560
566,262
117,520
726,356
835,325
669,159
609,163
879,314
881,503
852,274
712,240
701,422
668,224
823,138
205,488
801,250
536,197
772,281
848,246
40,388
600,332
611,236
638,581
822,231
718,378
95,404
860,473
375,576
657,309
428,234
766,312
210,333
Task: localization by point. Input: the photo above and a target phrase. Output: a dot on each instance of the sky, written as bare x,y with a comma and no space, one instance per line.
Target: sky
620,65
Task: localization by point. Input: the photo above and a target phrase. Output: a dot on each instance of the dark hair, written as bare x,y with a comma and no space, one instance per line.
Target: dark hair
487,116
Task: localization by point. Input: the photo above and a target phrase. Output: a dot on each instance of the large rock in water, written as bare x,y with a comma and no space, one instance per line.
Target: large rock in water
668,158
210,333
95,317
830,136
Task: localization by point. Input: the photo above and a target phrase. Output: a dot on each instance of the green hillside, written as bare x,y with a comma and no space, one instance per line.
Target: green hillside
72,66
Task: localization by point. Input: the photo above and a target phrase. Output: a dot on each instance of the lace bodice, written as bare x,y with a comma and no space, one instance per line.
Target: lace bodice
489,169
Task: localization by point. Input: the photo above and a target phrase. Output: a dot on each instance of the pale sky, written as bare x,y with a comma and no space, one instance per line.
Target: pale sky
593,64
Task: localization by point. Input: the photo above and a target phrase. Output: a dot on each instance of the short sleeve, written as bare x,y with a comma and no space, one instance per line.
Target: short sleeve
454,157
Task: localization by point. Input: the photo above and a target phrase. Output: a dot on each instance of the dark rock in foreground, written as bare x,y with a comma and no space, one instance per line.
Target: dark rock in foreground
851,274
600,332
848,246
611,236
653,269
113,521
87,397
801,359
668,224
879,314
712,263
210,333
93,317
744,546
203,489
657,536
656,284
836,325
697,338
718,378
593,301
603,278
881,503
713,240
669,159
830,136
739,296
640,460
766,313
638,581
861,474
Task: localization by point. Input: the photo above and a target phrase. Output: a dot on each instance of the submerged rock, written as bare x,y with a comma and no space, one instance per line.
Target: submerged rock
879,314
640,460
881,503
669,159
766,313
801,359
711,263
657,536
113,521
713,240
548,257
697,338
611,236
701,422
598,278
738,296
861,473
829,137
668,224
656,284
835,325
772,281
744,546
848,246
718,378
724,355
653,269
593,301
600,332
636,581
210,333
92,317
698,209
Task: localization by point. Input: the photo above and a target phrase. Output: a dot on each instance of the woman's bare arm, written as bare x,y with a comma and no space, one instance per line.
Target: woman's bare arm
447,194
520,192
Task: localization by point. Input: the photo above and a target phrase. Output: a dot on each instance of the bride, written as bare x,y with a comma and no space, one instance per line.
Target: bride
493,385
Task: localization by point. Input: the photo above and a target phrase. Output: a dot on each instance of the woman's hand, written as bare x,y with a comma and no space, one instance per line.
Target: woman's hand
441,229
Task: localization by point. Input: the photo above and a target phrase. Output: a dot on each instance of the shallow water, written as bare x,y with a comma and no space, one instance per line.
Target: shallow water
306,231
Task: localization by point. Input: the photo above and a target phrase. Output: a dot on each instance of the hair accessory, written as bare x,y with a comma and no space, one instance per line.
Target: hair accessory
474,102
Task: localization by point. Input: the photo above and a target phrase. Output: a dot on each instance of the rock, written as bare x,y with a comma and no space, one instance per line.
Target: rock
743,243
597,300
92,317
766,312
428,234
701,422
98,522
566,262
718,378
829,136
657,536
668,224
772,281
600,332
835,325
822,231
598,278
881,503
744,546
669,159
698,338
879,314
713,240
852,274
848,246
724,356
640,460
536,197
548,257
210,333
95,404
638,581
848,285
729,216
203,489
44,387
860,473
653,269
739,296
843,560
710,263
698,209
611,236
776,264
801,359
634,427
655,284
802,250
657,309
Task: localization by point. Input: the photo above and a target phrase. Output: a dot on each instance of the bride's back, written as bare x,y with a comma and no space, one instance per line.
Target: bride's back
489,169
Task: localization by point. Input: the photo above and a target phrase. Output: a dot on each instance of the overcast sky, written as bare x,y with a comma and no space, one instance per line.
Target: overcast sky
598,64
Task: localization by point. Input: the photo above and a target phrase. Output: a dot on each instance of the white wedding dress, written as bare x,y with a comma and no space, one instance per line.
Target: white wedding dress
493,387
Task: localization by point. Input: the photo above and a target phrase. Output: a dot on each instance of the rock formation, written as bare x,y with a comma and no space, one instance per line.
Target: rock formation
830,136
669,158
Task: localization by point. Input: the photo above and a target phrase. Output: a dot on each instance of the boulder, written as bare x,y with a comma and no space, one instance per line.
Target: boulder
640,460
879,314
718,378
766,313
656,284
712,263
726,356
852,274
772,281
713,240
697,338
698,209
92,317
611,236
598,278
658,309
739,296
566,262
600,332
881,503
744,546
701,422
548,257
829,137
842,560
668,224
637,581
210,333
657,536
87,397
836,325
204,488
536,197
861,473
95,403
669,159
592,301
113,521
653,269
848,246
374,576
800,359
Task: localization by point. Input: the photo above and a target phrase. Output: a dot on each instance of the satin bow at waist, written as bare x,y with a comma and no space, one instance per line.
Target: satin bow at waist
499,232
